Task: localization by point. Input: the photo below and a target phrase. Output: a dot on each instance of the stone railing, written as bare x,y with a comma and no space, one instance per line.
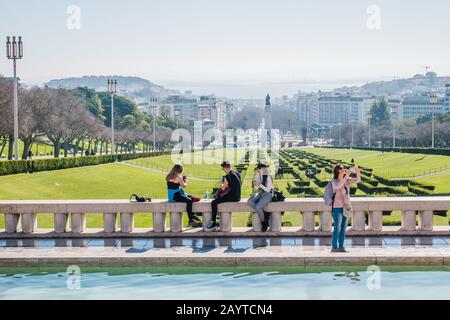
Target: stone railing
70,216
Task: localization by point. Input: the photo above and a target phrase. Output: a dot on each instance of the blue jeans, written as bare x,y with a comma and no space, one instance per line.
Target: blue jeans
340,228
259,202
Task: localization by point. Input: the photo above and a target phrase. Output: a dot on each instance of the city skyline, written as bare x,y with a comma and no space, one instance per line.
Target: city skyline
231,44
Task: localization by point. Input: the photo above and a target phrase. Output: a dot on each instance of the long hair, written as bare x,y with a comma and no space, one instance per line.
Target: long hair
266,173
176,171
337,170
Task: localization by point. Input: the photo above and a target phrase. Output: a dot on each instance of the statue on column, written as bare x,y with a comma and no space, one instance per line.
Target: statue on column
268,100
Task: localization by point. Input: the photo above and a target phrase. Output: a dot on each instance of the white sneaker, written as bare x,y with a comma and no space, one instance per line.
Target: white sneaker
212,226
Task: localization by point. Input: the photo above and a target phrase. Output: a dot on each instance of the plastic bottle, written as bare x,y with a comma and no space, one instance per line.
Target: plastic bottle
207,195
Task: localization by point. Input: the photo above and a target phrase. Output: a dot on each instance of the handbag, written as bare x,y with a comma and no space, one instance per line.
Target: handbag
278,196
222,193
139,198
195,198
348,209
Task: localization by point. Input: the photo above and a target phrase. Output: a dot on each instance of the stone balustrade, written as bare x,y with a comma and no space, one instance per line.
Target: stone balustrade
70,216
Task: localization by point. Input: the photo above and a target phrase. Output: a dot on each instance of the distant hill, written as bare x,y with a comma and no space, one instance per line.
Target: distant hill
132,87
428,82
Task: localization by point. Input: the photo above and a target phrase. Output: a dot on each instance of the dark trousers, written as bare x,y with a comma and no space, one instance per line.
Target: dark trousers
216,202
178,197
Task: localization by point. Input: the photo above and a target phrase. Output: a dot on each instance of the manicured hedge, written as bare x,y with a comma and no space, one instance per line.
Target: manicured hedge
444,152
30,166
392,183
419,191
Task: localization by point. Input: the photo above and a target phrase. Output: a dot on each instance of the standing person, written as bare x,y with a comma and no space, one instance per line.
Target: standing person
341,203
229,192
264,184
175,190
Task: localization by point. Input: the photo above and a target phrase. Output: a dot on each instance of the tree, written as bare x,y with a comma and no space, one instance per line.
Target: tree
122,107
31,117
6,119
380,112
92,100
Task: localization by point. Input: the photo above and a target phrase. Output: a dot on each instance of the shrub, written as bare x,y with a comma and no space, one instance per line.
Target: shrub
25,166
419,191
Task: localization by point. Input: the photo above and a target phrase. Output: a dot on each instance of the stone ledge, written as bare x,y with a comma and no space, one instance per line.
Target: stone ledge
235,233
303,256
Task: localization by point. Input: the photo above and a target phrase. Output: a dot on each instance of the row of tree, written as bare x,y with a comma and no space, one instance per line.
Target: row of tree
407,134
76,120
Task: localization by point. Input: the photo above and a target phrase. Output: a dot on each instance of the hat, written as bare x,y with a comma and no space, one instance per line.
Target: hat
226,164
260,166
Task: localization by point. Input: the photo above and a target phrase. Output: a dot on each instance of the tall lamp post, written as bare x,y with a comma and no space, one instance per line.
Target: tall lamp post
369,118
353,135
432,129
394,111
112,89
14,51
153,106
177,115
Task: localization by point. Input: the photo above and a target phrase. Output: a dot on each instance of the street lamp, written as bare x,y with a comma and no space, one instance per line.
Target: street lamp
153,106
177,114
14,51
394,111
353,135
340,135
112,89
369,118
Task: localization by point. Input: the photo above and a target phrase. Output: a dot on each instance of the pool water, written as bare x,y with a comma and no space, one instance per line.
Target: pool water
265,283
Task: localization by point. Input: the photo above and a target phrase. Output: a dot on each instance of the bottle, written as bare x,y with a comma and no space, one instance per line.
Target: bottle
207,196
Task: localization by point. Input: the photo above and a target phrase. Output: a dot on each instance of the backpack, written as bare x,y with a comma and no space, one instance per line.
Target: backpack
329,195
139,198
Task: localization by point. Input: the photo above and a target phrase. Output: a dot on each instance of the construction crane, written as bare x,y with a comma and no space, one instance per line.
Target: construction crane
426,68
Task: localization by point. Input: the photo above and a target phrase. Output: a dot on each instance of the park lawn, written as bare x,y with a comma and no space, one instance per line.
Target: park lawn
441,181
391,164
200,164
43,149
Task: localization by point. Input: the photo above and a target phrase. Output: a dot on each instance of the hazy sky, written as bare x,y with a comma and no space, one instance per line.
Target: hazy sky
228,41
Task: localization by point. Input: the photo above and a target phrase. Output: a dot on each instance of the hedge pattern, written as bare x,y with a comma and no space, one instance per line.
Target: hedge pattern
30,166
443,152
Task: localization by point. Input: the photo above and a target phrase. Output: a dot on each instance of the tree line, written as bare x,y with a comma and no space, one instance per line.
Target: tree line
77,120
414,133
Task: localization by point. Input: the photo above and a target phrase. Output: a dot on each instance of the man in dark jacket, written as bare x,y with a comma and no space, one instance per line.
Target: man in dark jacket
230,192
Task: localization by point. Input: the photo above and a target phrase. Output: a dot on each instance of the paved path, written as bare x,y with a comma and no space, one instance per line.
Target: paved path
161,172
425,175
129,255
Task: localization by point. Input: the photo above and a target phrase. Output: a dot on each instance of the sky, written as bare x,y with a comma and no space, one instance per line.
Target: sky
182,43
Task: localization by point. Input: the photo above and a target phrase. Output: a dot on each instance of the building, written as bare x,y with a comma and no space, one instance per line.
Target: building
307,108
343,109
415,106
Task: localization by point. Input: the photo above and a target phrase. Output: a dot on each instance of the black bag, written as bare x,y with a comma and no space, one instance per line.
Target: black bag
278,196
140,198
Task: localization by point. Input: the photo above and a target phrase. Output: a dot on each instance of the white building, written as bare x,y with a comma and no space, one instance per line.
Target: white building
421,105
344,109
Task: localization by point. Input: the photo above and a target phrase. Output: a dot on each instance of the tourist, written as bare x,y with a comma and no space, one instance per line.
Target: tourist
229,192
341,205
175,185
258,201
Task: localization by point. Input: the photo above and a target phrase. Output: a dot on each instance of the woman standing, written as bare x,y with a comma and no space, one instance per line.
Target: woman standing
341,203
264,184
175,187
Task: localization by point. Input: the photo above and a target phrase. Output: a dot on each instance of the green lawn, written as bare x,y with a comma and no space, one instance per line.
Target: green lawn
41,148
391,164
115,181
204,164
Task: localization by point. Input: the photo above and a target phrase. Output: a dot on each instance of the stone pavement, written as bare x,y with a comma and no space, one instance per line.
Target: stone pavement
224,252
